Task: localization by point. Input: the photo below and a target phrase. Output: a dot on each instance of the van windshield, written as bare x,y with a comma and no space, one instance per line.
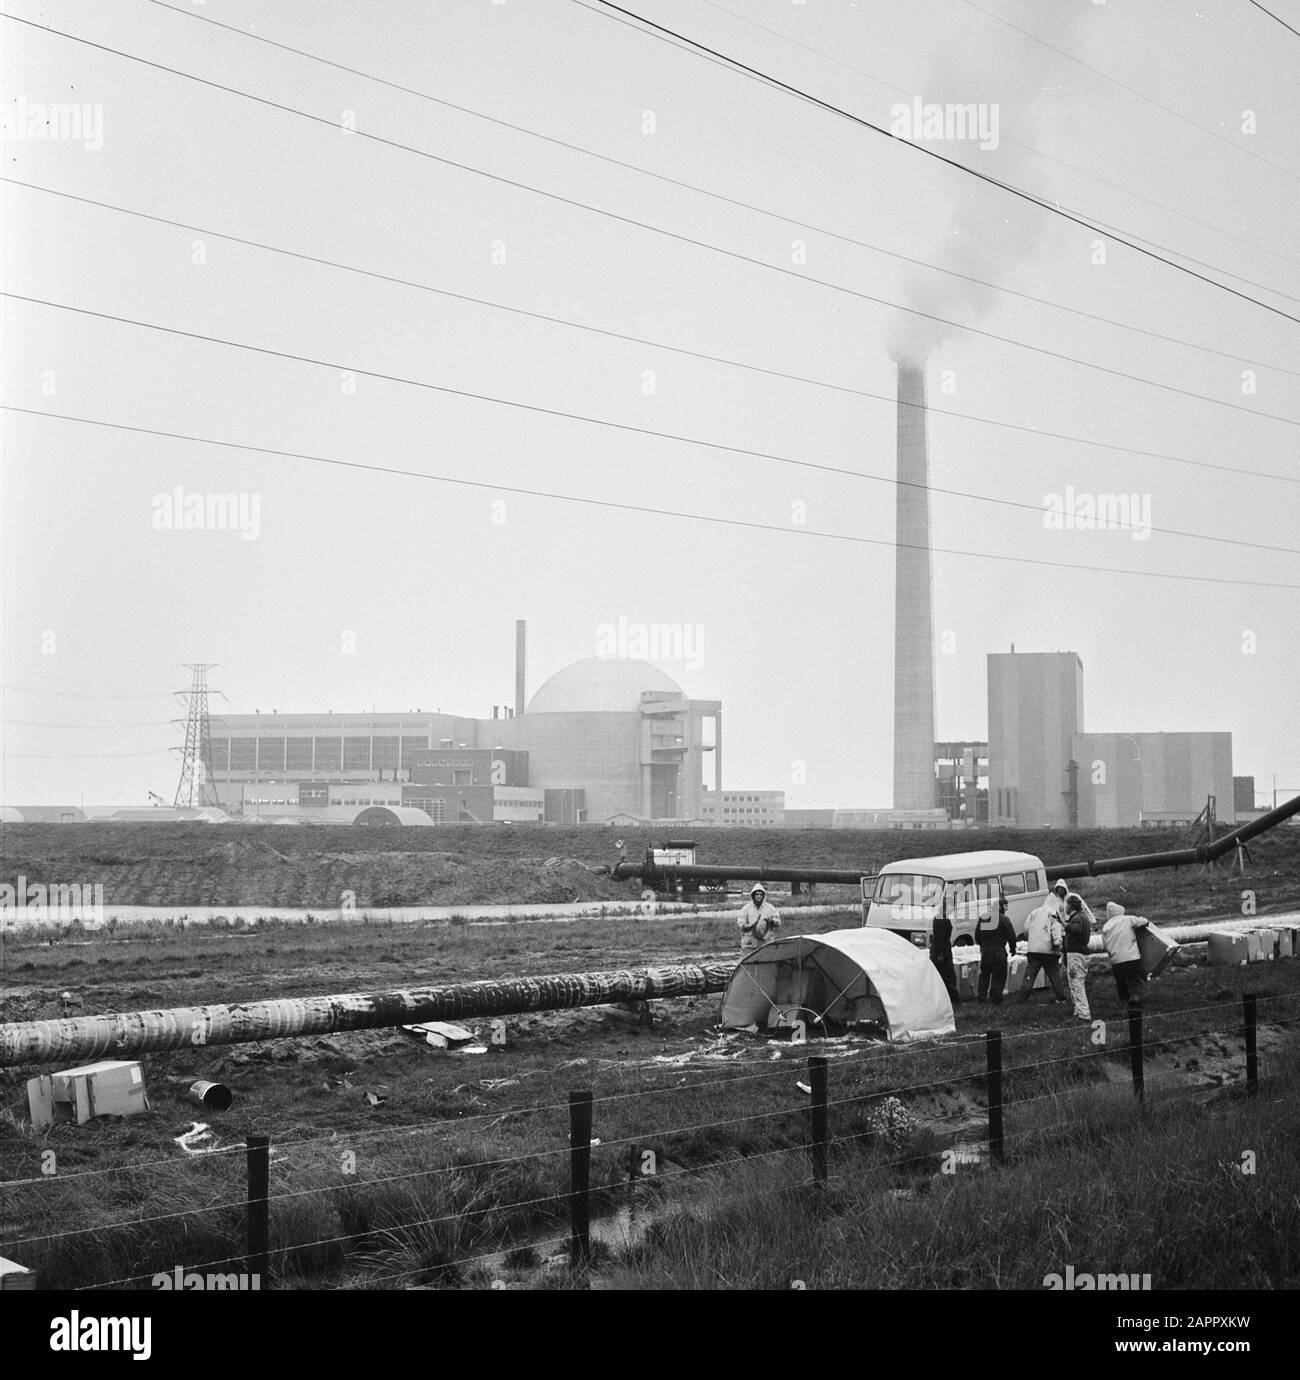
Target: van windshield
908,889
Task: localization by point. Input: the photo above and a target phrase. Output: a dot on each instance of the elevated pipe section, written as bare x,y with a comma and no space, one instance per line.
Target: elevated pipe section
124,1034
655,875
1180,857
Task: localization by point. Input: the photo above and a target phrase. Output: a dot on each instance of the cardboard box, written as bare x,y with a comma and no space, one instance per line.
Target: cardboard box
1267,942
113,1087
1230,947
1155,949
1288,937
1015,975
15,1276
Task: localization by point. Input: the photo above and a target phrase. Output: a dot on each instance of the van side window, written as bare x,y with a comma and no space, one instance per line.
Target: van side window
1013,884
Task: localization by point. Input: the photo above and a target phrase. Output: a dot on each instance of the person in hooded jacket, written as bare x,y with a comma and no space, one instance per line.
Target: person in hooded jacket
1118,935
1046,936
997,939
758,921
1079,922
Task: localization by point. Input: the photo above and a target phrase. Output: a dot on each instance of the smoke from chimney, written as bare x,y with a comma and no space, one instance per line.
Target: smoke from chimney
989,234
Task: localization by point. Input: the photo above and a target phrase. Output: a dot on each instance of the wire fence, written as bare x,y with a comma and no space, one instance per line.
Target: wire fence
481,1225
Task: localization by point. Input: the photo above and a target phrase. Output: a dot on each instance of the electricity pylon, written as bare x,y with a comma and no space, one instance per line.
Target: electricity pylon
195,786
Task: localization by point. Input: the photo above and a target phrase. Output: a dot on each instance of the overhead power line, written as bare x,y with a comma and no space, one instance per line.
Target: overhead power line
1017,143
1114,230
1277,18
706,191
1132,90
679,437
92,695
1020,192
638,508
706,356
653,229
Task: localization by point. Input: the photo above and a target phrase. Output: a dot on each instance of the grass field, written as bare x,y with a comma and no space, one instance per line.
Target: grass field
395,1164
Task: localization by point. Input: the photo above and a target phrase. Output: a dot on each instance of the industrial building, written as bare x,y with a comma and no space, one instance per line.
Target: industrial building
605,739
751,809
1045,770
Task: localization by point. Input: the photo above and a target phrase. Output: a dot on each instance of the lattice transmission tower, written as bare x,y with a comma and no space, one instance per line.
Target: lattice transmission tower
195,786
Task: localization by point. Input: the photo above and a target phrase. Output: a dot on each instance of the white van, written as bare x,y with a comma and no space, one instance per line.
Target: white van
907,896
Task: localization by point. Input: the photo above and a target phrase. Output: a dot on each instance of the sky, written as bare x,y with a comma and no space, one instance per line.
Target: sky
737,267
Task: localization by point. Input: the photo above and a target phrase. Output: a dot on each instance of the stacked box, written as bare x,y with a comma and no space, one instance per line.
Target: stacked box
1263,945
1155,949
1230,947
1015,974
966,965
1288,933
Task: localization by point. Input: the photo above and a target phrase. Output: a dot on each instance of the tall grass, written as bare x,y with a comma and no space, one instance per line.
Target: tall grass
1112,1189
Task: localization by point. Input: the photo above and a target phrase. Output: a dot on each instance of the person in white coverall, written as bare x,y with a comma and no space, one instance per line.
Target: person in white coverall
758,921
1118,935
1079,921
1046,936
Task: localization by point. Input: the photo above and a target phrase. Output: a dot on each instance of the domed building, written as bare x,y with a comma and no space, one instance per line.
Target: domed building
622,731
601,685
605,739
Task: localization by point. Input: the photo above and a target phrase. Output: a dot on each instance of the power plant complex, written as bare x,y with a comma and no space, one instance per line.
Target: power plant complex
615,740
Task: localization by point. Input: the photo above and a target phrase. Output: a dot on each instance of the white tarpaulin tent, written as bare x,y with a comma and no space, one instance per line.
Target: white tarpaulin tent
844,977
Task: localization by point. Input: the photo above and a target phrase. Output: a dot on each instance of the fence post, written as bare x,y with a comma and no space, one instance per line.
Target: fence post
993,1057
1252,1051
579,1179
258,1224
818,1077
1135,1049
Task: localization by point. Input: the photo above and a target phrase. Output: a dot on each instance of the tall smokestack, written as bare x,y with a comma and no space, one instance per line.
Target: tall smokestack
913,601
521,663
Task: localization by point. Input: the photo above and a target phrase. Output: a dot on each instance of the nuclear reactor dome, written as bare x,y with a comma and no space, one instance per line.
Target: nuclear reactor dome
608,684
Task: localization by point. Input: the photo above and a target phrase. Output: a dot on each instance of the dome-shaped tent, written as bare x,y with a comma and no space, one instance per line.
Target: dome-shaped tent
845,977
383,815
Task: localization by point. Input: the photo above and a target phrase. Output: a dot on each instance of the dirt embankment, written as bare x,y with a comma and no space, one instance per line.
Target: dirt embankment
461,864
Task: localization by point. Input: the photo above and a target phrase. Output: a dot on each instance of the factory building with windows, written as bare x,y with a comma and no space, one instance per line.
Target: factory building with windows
601,739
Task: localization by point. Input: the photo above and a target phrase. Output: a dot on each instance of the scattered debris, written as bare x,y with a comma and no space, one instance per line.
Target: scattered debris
216,1097
440,1034
376,1099
198,1140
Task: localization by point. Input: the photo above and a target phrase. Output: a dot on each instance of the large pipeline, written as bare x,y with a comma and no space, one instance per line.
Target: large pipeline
1181,857
128,1033
1204,853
